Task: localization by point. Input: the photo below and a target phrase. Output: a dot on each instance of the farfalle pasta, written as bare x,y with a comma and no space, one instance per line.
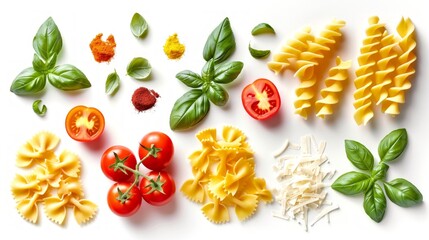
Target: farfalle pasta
53,181
224,176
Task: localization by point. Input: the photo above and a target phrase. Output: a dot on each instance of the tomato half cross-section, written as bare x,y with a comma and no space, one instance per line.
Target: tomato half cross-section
261,99
84,124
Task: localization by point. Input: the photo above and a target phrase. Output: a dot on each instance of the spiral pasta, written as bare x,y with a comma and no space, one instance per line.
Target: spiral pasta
365,74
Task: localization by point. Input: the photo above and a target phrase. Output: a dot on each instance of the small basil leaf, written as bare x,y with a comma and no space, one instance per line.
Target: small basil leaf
403,193
392,145
139,68
29,81
375,203
36,108
138,25
359,155
112,83
263,28
190,79
207,73
44,66
220,44
352,183
227,72
217,94
258,54
67,78
380,171
48,40
189,110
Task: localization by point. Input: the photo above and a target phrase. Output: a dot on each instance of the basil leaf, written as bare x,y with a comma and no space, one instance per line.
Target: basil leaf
392,145
36,108
352,183
139,68
403,193
380,171
262,28
359,155
258,54
48,40
220,44
190,79
138,25
44,66
207,73
227,72
67,77
189,110
112,83
29,81
217,94
375,203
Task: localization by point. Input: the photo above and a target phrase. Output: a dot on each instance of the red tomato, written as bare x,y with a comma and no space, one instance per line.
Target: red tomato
159,191
261,99
109,162
84,124
162,148
130,204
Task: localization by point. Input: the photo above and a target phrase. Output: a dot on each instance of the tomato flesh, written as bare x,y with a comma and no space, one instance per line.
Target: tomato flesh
84,123
261,99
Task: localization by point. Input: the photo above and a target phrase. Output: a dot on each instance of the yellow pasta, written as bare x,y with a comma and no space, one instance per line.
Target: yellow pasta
335,84
68,163
28,208
405,68
365,74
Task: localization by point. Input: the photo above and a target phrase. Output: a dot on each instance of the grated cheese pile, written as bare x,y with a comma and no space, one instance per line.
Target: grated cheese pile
300,181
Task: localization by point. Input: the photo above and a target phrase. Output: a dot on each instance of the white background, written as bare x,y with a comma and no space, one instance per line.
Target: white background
80,21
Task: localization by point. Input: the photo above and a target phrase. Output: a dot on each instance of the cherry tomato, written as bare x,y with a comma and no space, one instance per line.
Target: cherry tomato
162,147
159,191
261,99
84,124
115,156
130,205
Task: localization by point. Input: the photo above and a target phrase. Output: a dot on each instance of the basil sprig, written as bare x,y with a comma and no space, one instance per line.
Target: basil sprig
191,108
399,191
47,44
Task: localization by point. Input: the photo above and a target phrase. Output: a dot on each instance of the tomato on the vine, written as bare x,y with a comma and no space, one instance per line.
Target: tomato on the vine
158,189
156,148
261,99
124,203
84,124
113,160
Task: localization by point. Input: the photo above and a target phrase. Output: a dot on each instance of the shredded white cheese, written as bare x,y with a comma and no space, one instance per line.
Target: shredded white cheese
300,181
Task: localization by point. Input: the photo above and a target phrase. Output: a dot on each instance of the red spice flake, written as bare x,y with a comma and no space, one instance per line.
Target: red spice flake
103,51
144,99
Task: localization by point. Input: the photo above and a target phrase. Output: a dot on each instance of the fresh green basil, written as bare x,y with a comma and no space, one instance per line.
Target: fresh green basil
220,44
29,81
380,171
207,73
375,203
48,40
138,25
227,72
263,28
258,54
392,145
44,66
217,94
359,155
39,111
189,110
112,83
139,68
403,193
190,79
68,77
352,183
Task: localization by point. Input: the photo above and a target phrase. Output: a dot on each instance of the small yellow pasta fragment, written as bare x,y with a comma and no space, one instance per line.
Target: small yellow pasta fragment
224,176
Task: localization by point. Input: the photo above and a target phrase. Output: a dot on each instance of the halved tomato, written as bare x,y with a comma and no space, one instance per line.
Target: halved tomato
84,124
261,99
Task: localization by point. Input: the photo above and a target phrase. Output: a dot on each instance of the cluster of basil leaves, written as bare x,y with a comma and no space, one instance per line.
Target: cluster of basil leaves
194,105
47,44
399,191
